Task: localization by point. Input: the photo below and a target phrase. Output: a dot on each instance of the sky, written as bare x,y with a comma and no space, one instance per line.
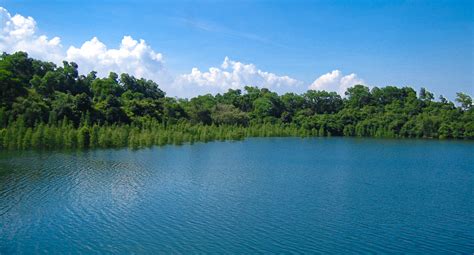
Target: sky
198,47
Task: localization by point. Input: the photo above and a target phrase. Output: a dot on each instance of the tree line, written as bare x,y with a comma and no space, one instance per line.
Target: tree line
46,106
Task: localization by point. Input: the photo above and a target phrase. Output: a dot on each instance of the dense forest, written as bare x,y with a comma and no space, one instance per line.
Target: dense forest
44,106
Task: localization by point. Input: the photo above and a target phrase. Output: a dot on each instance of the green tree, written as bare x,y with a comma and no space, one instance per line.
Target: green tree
465,101
358,96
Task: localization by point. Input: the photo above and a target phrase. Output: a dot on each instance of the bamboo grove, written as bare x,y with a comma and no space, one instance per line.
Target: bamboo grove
44,106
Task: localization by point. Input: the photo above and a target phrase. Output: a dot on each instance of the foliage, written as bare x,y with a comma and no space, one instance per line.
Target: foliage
43,106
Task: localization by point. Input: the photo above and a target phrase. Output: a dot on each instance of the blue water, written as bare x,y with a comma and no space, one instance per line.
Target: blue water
265,195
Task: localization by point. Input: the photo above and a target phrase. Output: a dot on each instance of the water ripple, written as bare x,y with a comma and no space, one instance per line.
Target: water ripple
256,196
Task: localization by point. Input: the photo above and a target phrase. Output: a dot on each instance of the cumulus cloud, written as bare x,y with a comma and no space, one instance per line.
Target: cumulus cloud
231,75
336,81
133,57
19,33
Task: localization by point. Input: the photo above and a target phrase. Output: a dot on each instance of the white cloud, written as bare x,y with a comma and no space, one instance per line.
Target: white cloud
18,33
335,81
133,57
231,75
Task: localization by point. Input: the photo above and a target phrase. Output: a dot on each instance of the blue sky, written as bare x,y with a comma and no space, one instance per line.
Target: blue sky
416,43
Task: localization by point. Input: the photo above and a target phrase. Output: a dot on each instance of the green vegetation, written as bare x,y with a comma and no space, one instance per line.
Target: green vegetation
44,106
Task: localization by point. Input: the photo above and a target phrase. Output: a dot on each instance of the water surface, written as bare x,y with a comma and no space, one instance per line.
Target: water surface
336,195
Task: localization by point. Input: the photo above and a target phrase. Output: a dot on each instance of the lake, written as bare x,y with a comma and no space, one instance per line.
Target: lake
261,195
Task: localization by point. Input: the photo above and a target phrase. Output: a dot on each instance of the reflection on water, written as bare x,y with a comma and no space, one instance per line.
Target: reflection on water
261,195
